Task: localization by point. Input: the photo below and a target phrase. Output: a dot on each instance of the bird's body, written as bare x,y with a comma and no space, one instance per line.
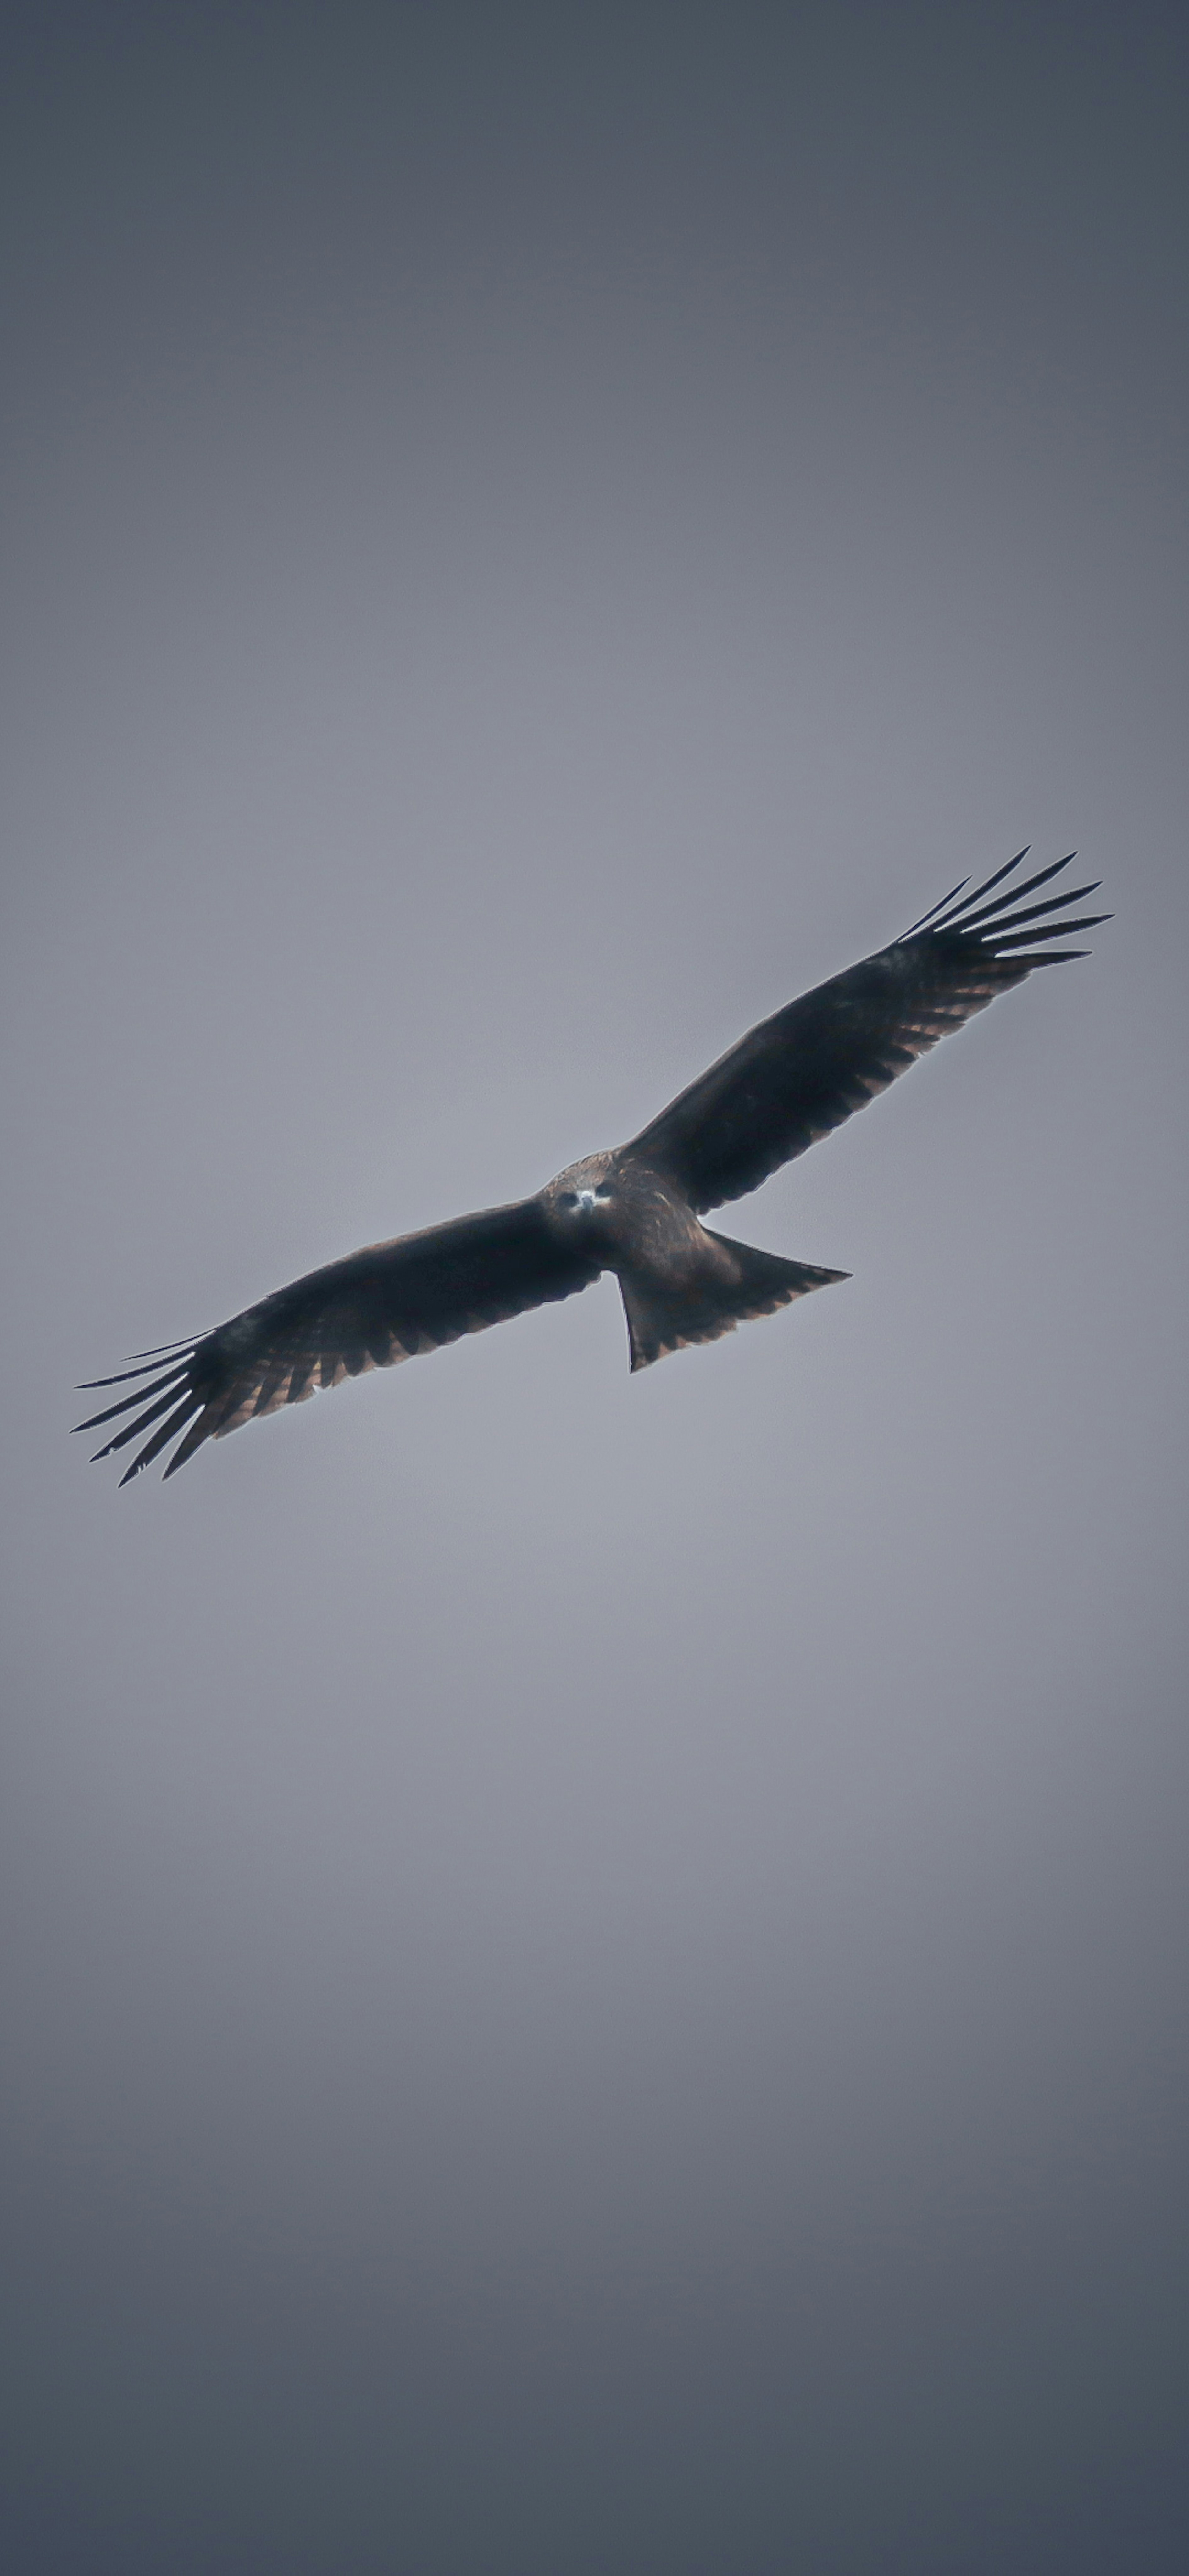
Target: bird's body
679,1282
635,1211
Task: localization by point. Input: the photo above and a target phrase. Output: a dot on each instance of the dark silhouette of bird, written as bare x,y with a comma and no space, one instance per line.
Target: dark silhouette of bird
636,1211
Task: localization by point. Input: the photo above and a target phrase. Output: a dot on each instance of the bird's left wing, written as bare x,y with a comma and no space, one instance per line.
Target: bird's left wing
378,1306
802,1072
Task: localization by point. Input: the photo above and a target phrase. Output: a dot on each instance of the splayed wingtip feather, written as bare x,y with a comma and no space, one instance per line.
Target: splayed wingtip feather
939,906
971,920
1053,930
141,1395
1007,869
164,1432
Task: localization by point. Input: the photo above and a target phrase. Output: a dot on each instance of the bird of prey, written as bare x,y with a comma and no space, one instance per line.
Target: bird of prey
635,1211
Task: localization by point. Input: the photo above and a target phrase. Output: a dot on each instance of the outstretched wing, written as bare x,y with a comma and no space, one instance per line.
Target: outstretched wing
802,1072
376,1307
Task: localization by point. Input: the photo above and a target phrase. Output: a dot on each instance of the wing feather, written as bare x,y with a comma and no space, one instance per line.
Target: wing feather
806,1070
380,1305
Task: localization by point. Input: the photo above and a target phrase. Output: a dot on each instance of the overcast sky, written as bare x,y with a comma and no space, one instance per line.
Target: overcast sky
596,1966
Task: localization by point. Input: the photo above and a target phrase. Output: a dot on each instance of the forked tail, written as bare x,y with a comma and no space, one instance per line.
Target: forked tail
658,1323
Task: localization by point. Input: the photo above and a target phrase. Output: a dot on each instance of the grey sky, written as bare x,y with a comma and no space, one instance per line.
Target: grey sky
596,1967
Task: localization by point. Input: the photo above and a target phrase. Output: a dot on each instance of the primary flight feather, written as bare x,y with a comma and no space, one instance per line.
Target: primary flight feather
635,1211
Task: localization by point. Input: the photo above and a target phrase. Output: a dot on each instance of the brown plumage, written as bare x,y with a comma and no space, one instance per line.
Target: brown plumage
635,1211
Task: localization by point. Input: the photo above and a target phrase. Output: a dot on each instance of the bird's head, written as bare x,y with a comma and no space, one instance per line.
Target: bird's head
579,1199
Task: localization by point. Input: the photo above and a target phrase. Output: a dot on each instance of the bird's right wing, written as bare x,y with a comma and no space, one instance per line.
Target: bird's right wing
378,1306
802,1072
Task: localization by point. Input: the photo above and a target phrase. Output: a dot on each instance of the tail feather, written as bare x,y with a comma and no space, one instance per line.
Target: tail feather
660,1323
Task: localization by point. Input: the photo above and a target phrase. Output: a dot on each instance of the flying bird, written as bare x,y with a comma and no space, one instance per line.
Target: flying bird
636,1211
